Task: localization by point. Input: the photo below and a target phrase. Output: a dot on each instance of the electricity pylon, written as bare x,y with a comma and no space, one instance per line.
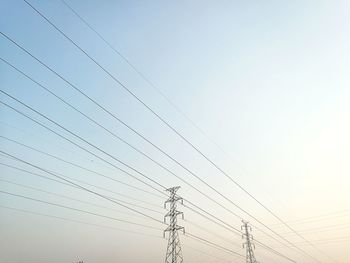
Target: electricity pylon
174,252
248,245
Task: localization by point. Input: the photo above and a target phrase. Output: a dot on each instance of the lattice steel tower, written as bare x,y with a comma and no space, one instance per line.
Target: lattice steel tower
174,252
248,244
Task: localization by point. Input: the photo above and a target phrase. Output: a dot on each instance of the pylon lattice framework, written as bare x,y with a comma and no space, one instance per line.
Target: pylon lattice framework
174,251
248,244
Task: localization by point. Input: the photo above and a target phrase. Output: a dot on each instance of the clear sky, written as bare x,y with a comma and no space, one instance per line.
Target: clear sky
266,82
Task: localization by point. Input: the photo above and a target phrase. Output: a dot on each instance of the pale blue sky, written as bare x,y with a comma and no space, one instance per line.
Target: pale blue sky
267,81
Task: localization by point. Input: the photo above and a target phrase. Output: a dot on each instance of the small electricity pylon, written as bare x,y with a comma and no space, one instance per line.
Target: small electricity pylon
174,252
250,258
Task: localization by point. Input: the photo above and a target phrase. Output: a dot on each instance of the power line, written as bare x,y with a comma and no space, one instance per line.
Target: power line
213,244
79,146
25,115
37,150
113,156
77,221
146,79
84,140
152,160
324,217
65,197
273,251
230,226
243,210
79,166
83,114
11,97
136,132
329,240
322,229
124,141
140,101
104,227
119,138
78,210
170,127
93,204
186,182
81,187
116,136
211,232
32,173
166,169
99,215
126,125
37,174
21,130
207,254
109,197
225,227
108,190
70,185
211,217
39,122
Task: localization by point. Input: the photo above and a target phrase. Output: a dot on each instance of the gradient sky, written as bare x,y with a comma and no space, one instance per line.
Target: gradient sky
267,82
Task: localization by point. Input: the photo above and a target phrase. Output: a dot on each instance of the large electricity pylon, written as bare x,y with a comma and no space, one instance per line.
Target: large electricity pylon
174,252
248,245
